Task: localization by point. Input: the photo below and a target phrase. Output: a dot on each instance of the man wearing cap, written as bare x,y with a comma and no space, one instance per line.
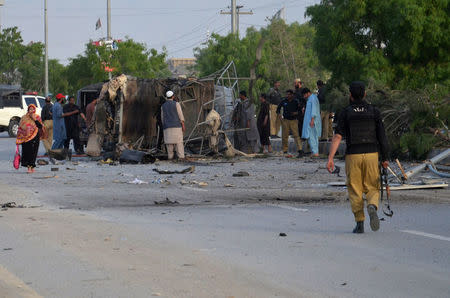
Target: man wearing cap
47,119
59,127
289,122
361,125
312,124
274,97
173,124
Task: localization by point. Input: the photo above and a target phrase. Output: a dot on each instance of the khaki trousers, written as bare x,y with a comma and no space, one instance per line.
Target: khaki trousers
290,125
48,124
363,177
179,148
327,128
275,122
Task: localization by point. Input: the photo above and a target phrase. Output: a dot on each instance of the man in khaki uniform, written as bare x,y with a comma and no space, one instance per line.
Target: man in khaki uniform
274,98
361,125
47,119
289,121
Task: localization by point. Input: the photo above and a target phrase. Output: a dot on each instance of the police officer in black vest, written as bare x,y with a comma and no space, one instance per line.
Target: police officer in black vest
361,125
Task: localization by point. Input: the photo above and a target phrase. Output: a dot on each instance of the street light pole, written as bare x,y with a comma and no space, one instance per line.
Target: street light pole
108,7
2,2
46,50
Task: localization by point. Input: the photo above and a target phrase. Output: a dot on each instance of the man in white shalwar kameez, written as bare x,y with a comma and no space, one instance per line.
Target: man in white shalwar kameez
173,124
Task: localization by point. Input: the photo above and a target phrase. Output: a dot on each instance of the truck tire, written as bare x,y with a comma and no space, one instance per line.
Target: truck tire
13,127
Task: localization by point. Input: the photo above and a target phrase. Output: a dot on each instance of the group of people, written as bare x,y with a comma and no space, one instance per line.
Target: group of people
298,114
57,125
359,123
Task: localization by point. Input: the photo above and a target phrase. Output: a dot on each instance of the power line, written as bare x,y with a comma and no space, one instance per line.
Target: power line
199,42
192,31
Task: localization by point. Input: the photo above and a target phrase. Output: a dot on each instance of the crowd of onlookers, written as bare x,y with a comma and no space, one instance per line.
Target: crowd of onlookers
299,113
61,120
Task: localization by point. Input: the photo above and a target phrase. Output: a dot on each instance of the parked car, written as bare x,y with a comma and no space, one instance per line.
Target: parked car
13,105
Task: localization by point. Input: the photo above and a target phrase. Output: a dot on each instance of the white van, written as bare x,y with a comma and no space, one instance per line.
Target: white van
13,105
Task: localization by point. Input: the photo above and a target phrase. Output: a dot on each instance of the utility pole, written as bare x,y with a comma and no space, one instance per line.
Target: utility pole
108,34
235,11
2,2
108,12
46,50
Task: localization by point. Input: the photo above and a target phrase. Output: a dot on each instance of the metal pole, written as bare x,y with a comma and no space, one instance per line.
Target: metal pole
436,159
108,5
233,16
2,2
46,50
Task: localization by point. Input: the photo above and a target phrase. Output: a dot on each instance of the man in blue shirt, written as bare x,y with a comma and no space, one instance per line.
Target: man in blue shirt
59,127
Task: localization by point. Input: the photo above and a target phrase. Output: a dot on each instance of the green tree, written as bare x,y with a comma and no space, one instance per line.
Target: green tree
287,54
130,57
31,67
11,54
401,43
57,77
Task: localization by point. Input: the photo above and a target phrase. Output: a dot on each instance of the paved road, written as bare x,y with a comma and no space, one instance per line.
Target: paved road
123,246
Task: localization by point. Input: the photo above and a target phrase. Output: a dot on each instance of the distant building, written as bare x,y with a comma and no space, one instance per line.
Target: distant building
181,66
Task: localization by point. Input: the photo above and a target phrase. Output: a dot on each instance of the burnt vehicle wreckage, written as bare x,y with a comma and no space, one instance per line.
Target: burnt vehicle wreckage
125,124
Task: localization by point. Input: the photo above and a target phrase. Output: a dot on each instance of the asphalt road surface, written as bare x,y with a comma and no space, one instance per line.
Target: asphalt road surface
87,232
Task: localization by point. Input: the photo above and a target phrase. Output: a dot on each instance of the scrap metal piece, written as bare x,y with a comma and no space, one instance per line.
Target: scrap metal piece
184,171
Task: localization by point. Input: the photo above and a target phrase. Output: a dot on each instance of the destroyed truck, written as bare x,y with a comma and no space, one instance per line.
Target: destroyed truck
126,113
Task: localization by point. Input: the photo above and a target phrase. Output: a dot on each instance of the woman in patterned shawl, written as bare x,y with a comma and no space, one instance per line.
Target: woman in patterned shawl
29,133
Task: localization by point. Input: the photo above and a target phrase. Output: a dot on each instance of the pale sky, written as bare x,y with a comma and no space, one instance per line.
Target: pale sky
180,25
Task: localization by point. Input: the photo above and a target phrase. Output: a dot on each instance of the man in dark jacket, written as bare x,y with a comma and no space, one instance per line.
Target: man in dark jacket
289,121
72,127
361,125
302,103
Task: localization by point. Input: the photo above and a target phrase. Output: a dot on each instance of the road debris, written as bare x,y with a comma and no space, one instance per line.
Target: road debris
42,162
184,171
203,184
166,202
54,169
135,157
9,205
46,177
282,234
137,181
241,174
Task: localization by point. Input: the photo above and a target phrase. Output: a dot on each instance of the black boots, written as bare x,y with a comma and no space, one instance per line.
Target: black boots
359,229
374,221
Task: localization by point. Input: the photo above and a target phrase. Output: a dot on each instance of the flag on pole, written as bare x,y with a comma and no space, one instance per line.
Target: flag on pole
98,25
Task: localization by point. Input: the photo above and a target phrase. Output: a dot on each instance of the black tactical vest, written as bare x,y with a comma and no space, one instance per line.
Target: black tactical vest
360,119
